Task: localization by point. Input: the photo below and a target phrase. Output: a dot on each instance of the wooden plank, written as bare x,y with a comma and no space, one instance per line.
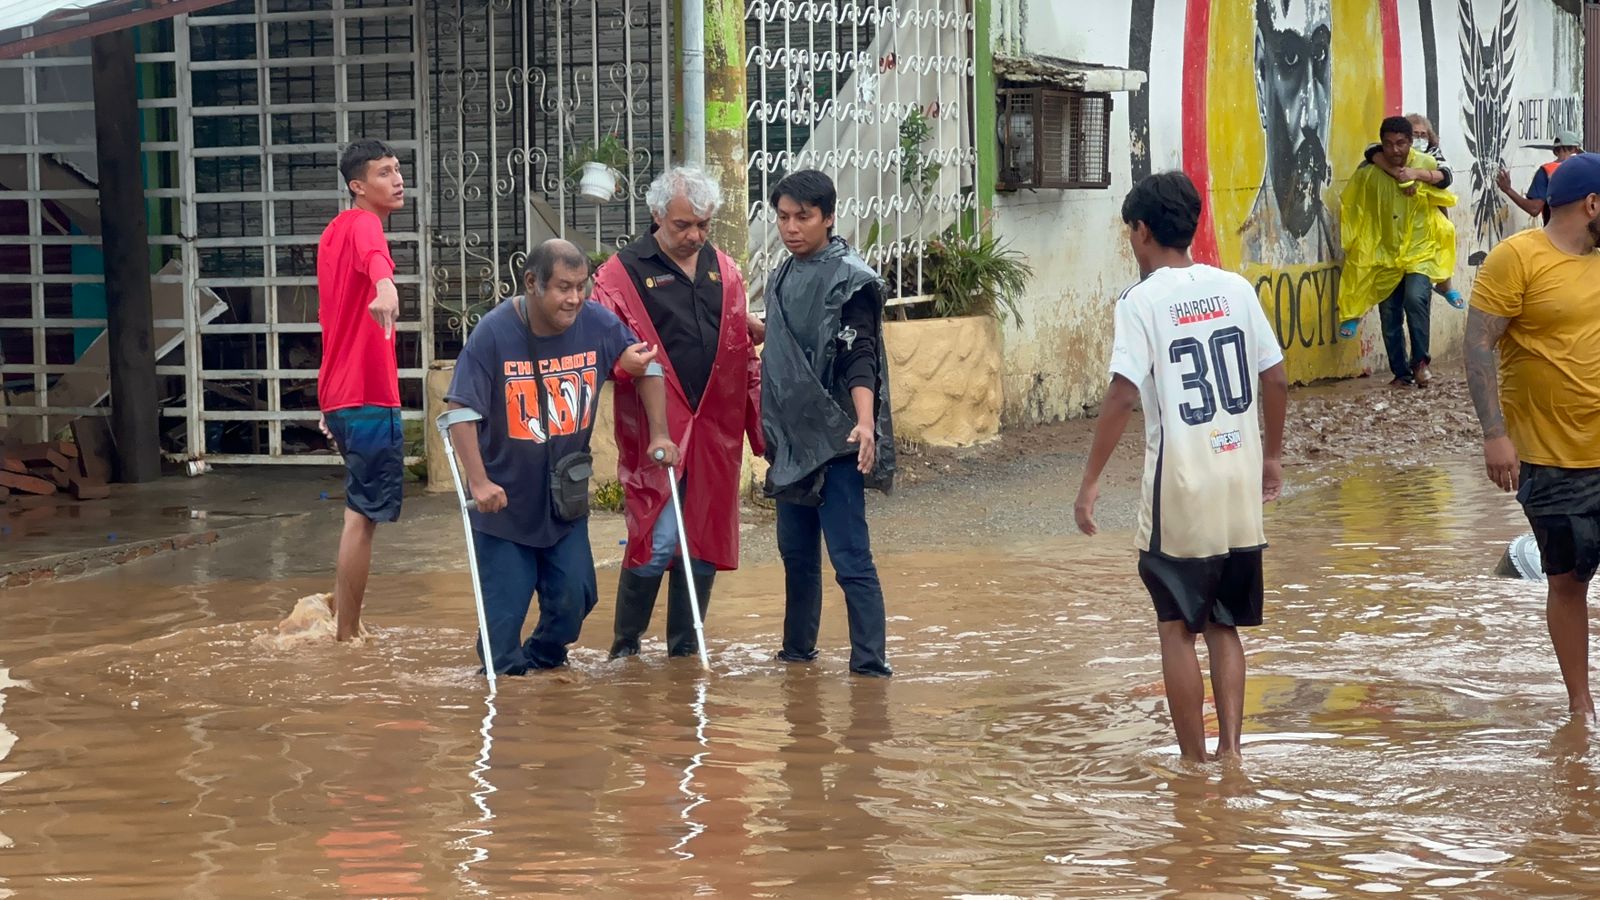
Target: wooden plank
44,455
52,474
125,241
12,464
86,491
93,438
26,484
66,448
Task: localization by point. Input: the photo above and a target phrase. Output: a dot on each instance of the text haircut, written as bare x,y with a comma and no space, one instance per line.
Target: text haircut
1168,204
360,154
544,258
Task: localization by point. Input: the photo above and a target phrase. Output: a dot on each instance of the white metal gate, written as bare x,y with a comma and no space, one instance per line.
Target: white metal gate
519,87
54,360
270,91
246,108
878,94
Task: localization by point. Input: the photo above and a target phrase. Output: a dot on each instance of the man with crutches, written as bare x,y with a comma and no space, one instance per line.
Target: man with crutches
522,409
677,291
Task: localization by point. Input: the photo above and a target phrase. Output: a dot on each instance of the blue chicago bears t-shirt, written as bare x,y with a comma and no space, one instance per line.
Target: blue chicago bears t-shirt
495,377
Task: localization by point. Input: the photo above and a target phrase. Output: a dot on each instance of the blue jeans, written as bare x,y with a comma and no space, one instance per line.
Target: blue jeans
842,520
664,544
1406,309
510,573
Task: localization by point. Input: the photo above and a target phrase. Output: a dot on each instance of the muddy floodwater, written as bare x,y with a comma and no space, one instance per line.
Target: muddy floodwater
1404,732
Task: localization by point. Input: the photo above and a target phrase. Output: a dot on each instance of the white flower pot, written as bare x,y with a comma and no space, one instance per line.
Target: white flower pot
598,183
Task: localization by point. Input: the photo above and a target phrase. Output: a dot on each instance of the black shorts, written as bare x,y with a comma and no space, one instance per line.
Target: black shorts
1225,590
1563,506
372,442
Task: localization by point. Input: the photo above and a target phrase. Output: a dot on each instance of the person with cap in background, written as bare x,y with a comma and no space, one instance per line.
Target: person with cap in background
1537,301
1535,202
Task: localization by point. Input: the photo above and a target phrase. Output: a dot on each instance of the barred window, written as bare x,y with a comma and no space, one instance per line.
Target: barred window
1054,139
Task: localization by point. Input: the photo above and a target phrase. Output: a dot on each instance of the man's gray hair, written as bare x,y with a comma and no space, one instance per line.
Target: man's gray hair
689,182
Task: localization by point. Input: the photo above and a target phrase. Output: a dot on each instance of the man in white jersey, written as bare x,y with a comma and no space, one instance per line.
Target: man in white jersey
1193,346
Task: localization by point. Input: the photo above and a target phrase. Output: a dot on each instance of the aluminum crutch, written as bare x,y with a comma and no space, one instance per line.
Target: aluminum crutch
688,565
445,420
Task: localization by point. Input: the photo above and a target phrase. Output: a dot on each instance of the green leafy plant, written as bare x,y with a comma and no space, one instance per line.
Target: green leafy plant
597,258
917,171
608,496
608,151
974,275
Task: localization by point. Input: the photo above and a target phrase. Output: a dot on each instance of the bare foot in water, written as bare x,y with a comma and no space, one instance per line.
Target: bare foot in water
310,622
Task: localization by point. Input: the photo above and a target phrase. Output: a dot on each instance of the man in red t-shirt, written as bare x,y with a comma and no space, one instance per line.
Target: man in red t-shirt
358,386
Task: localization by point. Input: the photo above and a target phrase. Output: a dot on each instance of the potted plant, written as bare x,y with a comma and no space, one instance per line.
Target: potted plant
597,167
959,275
974,276
946,354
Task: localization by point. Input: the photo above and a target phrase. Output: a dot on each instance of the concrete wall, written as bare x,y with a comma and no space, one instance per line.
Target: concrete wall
1493,75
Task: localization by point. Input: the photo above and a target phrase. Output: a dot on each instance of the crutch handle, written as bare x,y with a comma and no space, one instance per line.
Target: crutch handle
455,417
660,455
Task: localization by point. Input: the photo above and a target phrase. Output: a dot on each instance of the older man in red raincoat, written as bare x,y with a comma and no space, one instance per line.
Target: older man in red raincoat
679,293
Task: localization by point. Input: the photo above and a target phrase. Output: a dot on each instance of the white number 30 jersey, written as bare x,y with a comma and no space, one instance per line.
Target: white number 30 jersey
1195,341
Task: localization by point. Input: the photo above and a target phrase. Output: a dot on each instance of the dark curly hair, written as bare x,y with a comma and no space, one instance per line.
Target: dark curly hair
1168,204
1395,125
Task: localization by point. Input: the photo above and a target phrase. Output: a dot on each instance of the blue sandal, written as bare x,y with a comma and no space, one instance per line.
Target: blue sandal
1347,328
1455,299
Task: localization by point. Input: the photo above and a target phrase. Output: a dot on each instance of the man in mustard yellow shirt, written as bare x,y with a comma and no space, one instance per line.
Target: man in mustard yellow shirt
1537,299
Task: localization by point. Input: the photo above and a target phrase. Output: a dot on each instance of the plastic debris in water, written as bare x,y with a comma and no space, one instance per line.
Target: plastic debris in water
1521,560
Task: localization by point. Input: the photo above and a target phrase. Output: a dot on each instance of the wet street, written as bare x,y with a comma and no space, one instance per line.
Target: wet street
1403,726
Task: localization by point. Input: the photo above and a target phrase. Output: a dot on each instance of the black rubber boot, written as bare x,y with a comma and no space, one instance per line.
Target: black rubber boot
636,600
680,623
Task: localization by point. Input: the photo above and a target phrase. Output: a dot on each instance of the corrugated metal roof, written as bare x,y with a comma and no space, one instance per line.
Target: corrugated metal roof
62,21
17,13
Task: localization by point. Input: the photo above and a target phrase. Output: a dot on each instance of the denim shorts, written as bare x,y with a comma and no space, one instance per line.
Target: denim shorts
373,445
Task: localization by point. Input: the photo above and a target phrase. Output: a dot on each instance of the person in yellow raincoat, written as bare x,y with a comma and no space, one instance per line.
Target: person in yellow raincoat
1396,245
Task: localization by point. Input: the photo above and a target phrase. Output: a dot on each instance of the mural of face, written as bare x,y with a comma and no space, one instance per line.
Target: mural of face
1294,80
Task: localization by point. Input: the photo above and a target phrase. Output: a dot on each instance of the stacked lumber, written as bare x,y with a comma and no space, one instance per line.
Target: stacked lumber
80,467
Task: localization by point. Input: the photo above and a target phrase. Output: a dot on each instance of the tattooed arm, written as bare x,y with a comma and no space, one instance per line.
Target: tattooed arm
1499,454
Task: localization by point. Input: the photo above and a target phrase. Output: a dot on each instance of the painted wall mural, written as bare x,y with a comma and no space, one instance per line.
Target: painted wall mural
1488,74
1289,221
1289,104
1279,99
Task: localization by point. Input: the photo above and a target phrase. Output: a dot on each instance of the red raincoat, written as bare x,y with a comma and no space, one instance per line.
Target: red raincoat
711,438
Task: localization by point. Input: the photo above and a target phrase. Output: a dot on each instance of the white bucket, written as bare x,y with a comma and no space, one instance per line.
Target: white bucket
599,182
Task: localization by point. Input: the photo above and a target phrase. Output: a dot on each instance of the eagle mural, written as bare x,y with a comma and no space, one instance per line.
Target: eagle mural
1488,59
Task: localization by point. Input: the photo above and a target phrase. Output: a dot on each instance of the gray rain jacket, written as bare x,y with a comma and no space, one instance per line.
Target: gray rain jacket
806,410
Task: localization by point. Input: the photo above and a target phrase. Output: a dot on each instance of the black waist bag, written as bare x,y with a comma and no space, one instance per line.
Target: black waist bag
569,486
